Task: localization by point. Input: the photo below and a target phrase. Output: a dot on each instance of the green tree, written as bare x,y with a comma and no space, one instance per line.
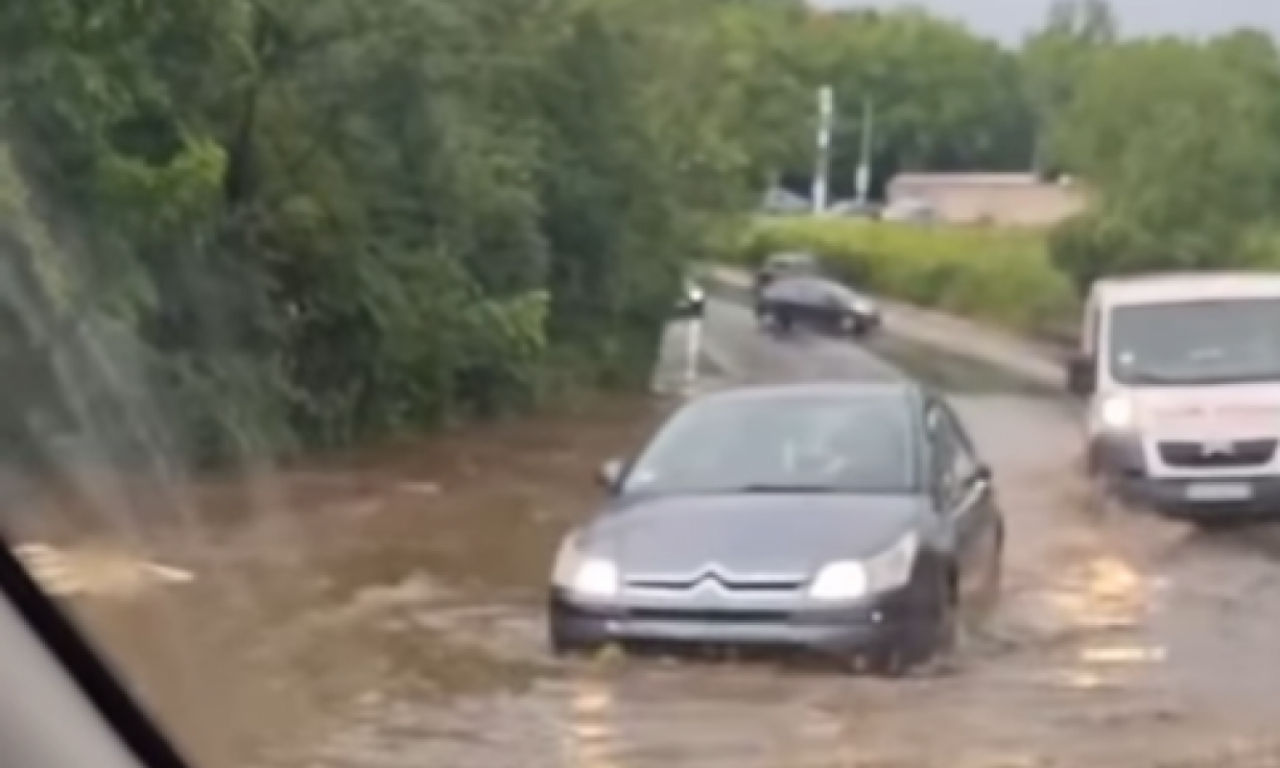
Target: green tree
311,223
1053,59
1176,142
944,99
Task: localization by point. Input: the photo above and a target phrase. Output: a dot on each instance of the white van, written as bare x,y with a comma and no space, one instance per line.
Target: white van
1182,377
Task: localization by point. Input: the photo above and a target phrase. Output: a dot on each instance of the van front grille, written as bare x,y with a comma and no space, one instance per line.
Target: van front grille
1200,455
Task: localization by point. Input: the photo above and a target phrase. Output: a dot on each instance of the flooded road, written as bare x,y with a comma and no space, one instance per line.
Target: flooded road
385,611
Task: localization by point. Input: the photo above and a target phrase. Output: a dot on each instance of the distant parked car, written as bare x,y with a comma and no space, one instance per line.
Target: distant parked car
910,211
854,209
782,202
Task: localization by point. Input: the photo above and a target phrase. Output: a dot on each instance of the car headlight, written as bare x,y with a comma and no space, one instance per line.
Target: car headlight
1117,412
864,307
582,574
853,579
696,294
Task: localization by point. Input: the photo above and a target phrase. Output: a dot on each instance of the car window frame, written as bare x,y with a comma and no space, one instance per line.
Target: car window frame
949,439
917,479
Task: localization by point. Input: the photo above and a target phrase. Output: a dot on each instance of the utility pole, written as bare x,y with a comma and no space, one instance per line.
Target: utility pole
862,177
826,114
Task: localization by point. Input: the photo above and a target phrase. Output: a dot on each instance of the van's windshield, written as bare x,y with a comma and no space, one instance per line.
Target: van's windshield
1194,343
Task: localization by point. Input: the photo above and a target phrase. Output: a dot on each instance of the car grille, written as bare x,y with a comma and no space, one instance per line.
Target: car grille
708,616
1243,453
730,584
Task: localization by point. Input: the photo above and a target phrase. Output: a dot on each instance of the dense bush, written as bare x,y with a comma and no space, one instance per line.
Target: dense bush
996,276
278,225
1177,141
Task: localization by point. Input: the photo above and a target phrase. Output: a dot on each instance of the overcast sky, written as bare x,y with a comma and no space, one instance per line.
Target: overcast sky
1010,19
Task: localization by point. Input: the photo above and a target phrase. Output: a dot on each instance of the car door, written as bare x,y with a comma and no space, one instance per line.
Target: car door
966,498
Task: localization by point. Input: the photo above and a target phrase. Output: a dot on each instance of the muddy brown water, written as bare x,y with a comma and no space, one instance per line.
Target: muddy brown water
384,610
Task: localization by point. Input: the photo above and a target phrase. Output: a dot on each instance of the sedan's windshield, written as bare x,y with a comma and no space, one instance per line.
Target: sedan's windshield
1202,342
859,444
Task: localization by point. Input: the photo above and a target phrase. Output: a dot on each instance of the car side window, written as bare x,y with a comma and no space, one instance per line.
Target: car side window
956,459
941,448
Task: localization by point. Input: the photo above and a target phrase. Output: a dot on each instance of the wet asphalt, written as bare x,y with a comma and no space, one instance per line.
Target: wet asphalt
383,610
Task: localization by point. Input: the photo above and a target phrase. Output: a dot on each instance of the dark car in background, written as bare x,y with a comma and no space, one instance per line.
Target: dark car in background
851,521
816,303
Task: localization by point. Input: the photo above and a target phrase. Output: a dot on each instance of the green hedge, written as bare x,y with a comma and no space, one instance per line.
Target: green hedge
997,276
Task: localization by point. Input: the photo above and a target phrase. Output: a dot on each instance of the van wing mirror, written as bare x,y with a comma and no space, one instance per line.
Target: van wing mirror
1082,374
982,474
610,473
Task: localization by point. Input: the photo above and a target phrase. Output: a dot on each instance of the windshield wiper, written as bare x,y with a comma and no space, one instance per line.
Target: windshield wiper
1203,381
791,488
1146,377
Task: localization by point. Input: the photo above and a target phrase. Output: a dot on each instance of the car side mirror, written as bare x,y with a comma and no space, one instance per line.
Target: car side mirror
1081,370
610,473
982,474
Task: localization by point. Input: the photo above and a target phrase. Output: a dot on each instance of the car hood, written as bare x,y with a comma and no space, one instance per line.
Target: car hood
773,533
1209,413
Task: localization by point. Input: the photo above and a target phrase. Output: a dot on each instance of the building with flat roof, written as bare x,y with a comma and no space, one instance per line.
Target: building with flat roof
1003,199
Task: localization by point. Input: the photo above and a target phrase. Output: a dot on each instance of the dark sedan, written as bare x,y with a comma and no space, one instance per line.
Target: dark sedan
852,520
819,304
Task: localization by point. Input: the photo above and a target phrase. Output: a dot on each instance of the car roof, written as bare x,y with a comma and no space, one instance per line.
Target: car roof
853,390
1167,287
810,281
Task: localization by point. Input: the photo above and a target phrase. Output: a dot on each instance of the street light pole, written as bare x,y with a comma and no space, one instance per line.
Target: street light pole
826,112
862,178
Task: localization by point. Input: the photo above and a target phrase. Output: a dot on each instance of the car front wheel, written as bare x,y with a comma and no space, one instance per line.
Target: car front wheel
564,646
947,629
854,326
931,648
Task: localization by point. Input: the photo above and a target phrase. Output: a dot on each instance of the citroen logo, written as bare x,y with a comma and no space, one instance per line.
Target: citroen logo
711,573
1223,448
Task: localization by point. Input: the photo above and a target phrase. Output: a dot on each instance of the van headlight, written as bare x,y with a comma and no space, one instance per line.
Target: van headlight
1116,412
583,574
854,579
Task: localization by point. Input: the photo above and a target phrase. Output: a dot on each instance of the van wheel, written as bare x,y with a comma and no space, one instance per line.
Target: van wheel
1101,500
1213,525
